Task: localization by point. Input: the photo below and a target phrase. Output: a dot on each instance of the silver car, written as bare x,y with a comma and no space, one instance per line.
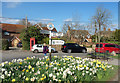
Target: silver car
39,48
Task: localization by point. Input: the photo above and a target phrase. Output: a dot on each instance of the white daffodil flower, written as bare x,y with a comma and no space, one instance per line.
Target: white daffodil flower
87,71
54,77
50,75
9,75
6,72
91,69
2,64
57,74
90,74
19,75
38,72
55,68
3,69
83,74
87,68
2,76
61,69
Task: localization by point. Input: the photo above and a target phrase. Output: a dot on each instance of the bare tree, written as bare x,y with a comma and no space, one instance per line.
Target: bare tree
75,30
67,30
101,19
25,22
22,22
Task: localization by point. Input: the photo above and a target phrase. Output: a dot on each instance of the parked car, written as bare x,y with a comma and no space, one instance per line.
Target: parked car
107,47
19,44
39,48
73,47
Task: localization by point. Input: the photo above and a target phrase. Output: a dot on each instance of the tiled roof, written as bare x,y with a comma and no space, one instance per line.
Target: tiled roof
12,27
45,28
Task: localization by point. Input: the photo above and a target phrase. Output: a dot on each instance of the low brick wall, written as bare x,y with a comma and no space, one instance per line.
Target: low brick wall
57,47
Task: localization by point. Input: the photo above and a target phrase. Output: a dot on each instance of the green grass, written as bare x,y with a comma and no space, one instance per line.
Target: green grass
102,54
116,57
110,74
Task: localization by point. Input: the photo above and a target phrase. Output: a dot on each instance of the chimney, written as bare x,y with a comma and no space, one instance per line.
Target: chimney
109,29
104,29
68,27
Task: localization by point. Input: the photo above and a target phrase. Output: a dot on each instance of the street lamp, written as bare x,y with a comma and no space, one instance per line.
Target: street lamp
50,28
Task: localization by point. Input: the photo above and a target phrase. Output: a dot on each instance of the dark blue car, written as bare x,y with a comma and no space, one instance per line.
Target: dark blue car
73,47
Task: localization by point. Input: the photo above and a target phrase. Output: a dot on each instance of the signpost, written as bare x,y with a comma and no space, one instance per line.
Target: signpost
56,34
50,28
57,42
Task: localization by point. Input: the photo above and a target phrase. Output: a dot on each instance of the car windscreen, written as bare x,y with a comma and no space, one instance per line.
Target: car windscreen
39,46
109,45
99,45
20,43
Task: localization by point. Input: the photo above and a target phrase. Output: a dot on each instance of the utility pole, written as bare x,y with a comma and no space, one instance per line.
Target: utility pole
26,22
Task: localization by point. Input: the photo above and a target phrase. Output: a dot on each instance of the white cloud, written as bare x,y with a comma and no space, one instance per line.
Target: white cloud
69,19
33,22
6,20
12,4
46,20
14,21
114,25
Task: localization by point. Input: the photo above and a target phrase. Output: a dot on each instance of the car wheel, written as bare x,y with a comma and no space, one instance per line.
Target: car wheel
83,51
35,51
52,51
107,51
69,51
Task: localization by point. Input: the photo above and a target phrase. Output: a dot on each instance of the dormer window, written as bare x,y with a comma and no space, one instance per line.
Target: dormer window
6,33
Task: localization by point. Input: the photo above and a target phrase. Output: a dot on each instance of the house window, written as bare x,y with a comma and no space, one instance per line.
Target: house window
6,33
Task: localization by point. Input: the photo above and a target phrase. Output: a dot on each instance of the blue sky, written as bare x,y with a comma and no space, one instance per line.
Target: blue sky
55,12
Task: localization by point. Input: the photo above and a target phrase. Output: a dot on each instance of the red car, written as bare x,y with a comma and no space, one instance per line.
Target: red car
107,47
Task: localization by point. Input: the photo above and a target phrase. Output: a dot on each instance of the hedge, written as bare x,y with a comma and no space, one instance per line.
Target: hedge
5,44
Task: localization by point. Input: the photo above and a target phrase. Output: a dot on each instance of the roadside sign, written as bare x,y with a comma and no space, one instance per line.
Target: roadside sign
57,42
56,34
48,26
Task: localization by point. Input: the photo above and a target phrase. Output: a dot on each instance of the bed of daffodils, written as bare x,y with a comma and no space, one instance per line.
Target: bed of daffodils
60,69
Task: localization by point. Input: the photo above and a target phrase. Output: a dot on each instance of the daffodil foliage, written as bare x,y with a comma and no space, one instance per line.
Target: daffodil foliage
60,69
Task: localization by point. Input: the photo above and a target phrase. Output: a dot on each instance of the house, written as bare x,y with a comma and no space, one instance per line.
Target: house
44,30
79,35
106,33
11,32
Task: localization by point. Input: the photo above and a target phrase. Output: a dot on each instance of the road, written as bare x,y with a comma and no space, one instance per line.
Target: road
17,53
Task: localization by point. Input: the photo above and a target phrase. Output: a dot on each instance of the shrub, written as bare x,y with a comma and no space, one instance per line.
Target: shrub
26,45
5,44
45,40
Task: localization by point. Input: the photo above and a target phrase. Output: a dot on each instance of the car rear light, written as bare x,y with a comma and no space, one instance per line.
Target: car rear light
64,46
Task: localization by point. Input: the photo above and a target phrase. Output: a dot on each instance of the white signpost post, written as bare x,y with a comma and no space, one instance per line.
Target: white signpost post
50,28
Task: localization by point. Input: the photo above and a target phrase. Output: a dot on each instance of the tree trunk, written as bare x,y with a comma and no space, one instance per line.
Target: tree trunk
99,35
96,39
